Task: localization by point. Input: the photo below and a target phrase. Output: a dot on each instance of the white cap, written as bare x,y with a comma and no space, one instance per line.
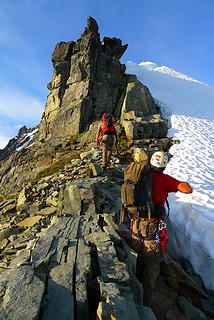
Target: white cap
159,159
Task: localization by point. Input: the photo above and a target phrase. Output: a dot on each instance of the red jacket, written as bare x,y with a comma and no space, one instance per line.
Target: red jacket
162,184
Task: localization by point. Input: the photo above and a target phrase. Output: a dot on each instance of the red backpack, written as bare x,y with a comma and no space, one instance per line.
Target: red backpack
107,124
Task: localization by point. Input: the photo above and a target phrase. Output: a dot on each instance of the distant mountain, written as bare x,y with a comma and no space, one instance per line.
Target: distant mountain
22,139
167,70
181,93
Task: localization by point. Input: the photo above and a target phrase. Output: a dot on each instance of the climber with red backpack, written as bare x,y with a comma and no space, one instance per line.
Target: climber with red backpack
144,194
108,137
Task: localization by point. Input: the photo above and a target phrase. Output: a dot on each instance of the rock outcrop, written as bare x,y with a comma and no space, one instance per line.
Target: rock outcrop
89,80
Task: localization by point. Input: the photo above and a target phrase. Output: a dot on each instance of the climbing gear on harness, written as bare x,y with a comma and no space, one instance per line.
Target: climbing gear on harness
153,229
161,235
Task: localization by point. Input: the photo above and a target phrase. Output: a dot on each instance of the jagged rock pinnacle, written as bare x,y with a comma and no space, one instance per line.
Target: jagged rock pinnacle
92,25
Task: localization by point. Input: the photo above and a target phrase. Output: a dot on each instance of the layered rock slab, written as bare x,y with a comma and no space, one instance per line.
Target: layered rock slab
74,273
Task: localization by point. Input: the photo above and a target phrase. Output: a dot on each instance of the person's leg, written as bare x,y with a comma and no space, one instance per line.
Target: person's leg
139,230
137,246
149,256
110,144
109,156
104,155
104,150
150,262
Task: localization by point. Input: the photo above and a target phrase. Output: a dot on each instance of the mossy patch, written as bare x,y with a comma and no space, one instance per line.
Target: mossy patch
122,145
55,167
8,197
121,150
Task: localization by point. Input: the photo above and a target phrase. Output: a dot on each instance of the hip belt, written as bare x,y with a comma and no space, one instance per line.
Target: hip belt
156,231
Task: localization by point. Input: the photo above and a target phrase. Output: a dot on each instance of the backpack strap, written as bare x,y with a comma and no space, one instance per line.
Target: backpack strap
168,207
149,191
124,212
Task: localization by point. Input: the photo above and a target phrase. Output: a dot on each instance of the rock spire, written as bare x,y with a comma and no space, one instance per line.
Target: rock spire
88,80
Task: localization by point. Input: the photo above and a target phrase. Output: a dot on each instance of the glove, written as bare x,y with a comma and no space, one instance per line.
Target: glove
97,142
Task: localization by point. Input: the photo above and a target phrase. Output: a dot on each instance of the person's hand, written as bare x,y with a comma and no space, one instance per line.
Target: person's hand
97,142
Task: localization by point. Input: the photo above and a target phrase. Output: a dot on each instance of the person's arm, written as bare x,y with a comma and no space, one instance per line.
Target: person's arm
184,187
97,135
173,185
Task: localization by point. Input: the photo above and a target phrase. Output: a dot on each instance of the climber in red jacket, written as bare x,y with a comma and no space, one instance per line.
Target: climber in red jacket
149,236
109,135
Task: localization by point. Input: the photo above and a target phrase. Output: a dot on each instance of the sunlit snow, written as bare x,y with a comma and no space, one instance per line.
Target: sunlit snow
191,221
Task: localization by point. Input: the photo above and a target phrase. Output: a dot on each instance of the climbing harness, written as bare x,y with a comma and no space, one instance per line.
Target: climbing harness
160,237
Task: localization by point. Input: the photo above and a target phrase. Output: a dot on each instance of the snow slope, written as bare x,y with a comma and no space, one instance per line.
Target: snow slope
191,221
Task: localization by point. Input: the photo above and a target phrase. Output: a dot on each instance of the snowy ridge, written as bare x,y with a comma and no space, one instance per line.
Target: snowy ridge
26,139
190,98
153,67
191,103
176,74
20,141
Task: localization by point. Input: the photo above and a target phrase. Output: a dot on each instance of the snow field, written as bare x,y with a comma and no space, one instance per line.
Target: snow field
191,220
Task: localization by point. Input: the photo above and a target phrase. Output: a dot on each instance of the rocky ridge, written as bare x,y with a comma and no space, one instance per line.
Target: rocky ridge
63,253
61,244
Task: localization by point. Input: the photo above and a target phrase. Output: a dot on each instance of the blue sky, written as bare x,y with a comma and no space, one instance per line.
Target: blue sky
178,34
